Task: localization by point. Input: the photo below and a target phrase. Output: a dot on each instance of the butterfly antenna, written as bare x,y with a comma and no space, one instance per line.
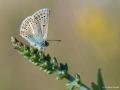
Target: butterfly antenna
55,40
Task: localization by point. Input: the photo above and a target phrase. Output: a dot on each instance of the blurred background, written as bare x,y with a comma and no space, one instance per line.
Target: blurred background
90,34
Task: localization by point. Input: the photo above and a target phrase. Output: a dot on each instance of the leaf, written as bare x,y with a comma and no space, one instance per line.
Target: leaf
100,81
75,83
94,86
62,72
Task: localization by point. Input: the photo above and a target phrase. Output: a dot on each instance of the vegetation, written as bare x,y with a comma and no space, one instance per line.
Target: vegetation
50,65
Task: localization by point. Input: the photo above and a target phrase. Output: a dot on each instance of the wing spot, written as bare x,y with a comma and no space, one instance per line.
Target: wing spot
36,18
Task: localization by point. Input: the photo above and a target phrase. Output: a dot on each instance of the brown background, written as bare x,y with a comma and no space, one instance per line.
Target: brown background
90,34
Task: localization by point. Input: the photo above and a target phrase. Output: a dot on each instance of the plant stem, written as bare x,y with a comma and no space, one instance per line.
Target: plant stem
49,65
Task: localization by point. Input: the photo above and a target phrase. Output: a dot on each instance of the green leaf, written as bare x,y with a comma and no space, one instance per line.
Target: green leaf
94,86
100,81
75,83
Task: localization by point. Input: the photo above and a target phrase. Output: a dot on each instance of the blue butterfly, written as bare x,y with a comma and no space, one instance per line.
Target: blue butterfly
34,28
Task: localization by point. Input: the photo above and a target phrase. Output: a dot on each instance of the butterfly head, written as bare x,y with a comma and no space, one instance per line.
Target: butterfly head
46,43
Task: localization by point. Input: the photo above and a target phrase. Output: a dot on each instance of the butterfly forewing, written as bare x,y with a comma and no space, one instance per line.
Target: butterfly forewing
41,18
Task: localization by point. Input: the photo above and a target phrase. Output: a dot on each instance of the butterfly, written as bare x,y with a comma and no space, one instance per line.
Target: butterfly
34,29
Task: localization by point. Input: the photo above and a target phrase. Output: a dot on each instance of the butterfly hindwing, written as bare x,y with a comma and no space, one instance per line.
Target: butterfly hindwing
26,30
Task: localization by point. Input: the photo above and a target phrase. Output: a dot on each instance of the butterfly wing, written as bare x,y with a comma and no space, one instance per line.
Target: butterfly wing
27,31
41,18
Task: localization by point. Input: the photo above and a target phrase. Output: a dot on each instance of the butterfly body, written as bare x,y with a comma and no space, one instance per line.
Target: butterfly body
34,28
